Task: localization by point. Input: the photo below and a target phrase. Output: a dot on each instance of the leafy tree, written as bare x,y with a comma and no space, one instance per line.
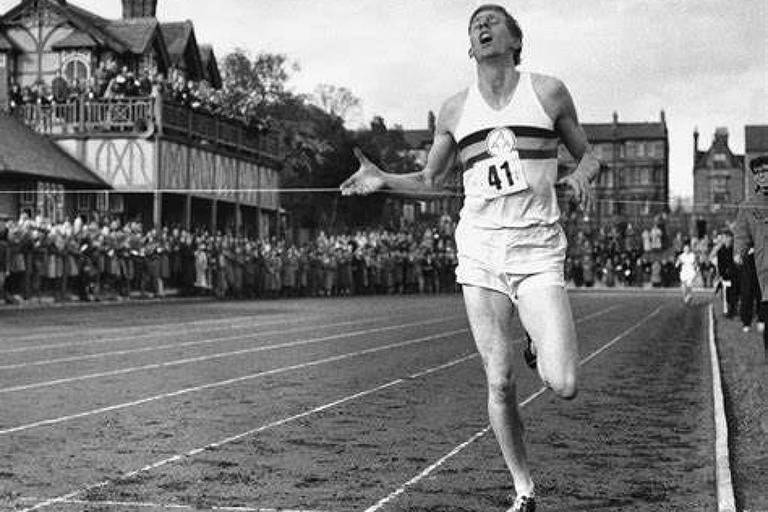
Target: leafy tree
318,147
251,86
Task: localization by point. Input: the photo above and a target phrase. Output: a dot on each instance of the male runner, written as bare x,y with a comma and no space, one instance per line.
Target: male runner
504,132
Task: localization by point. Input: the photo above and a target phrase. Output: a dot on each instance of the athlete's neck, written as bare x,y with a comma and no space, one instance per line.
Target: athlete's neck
497,81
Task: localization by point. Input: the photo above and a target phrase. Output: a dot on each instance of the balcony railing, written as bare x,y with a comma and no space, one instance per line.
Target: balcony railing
139,116
101,116
180,120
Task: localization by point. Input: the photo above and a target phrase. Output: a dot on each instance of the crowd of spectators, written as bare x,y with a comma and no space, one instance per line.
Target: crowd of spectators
110,81
620,255
105,259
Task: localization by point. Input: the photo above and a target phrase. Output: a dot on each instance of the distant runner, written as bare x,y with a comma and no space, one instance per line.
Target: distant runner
686,262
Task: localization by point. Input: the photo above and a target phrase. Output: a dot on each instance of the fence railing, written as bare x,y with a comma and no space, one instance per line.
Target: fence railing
101,116
182,120
139,116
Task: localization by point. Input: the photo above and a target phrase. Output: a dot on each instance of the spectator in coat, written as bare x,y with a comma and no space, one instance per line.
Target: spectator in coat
751,233
60,89
726,269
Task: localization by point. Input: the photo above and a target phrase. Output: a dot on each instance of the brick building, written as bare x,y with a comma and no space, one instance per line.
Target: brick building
718,182
633,184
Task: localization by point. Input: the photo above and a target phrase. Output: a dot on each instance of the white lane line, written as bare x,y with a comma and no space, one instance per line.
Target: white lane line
430,469
179,345
211,385
72,495
168,346
209,357
132,337
175,332
725,498
597,314
122,505
58,333
619,337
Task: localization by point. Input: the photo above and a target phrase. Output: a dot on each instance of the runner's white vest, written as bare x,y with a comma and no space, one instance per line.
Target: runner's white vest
509,157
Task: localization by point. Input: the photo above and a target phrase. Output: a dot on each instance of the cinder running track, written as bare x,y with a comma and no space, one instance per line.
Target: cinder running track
359,404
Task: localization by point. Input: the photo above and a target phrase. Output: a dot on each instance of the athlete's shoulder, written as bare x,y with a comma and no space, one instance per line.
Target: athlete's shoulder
552,93
451,111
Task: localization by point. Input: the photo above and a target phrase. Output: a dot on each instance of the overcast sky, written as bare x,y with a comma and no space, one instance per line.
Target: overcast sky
702,61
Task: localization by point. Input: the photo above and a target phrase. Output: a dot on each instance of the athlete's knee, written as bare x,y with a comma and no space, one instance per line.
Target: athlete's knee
564,386
501,387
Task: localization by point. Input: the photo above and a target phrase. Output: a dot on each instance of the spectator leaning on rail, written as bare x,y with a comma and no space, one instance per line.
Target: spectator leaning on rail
726,269
751,231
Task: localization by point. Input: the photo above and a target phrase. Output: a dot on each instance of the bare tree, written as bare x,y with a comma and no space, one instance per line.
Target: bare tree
337,101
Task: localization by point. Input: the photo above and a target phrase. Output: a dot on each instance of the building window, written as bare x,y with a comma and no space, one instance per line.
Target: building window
76,70
630,174
102,201
718,188
28,196
50,201
83,202
719,161
646,176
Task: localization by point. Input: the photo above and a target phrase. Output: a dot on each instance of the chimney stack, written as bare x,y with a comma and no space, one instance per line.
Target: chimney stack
695,144
139,9
431,123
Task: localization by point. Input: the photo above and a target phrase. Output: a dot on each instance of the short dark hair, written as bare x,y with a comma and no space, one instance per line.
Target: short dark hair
759,164
512,25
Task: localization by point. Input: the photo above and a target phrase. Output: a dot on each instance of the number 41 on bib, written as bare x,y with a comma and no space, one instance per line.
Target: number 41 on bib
504,175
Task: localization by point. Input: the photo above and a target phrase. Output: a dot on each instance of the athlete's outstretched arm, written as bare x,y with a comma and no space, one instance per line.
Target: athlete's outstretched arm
370,178
573,136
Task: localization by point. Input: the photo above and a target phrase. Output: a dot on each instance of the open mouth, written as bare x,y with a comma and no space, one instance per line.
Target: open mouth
485,38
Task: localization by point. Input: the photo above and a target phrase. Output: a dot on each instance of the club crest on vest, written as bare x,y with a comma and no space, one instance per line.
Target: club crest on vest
501,141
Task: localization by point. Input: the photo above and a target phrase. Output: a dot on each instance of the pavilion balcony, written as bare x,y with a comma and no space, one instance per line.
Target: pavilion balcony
147,117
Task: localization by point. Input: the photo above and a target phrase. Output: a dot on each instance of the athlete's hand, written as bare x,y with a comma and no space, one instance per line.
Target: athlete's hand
738,259
582,190
367,180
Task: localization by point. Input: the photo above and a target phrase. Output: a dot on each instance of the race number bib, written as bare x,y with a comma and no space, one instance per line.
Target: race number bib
498,176
502,173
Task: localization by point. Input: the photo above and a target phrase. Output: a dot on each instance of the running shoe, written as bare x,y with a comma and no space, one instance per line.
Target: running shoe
529,354
524,504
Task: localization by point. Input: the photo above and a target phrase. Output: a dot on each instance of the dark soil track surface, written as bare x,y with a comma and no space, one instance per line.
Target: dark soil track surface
334,405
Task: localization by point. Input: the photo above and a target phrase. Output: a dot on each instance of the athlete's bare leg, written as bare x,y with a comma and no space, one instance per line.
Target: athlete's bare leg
490,316
545,312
